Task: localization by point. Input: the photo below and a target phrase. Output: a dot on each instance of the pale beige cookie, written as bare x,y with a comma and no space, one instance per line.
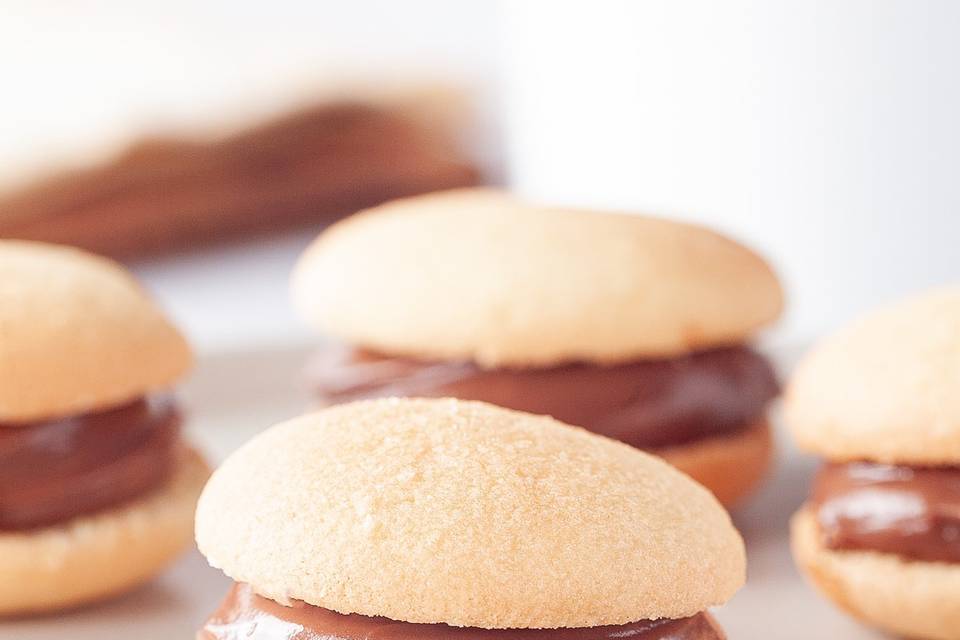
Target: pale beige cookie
477,275
731,465
77,333
464,513
908,598
94,557
886,388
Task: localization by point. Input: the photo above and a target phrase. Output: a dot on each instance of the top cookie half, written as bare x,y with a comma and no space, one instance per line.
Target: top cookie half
439,510
885,388
77,334
475,274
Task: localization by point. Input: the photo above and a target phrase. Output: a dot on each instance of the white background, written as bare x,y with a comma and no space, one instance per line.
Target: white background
824,132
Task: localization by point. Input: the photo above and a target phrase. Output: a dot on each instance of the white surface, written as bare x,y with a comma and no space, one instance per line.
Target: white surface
822,132
235,395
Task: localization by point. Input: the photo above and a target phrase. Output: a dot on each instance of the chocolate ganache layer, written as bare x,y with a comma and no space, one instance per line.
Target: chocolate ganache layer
646,403
247,616
52,471
908,511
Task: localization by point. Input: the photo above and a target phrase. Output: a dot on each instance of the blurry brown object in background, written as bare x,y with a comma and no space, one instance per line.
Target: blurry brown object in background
304,169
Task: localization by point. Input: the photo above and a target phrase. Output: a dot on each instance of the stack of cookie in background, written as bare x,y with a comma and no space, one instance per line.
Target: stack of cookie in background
303,168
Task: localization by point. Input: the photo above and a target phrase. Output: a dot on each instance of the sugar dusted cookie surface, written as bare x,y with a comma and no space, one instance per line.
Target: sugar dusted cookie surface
465,513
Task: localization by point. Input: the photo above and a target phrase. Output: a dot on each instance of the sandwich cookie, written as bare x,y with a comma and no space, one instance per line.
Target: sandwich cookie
632,327
880,534
97,488
440,518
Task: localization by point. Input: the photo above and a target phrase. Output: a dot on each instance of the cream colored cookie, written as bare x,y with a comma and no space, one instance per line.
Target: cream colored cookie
730,465
468,514
913,599
93,557
886,387
77,333
477,275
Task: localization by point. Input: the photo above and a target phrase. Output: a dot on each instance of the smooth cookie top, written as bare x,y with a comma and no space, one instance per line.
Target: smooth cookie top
77,334
475,274
885,388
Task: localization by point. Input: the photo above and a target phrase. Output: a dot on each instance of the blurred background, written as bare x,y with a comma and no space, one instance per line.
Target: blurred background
206,143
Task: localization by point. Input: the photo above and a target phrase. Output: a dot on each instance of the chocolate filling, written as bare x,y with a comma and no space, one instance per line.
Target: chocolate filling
912,512
646,403
247,616
55,470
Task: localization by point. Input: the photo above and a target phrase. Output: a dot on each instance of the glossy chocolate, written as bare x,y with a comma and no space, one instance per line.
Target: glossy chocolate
55,470
247,616
908,511
647,403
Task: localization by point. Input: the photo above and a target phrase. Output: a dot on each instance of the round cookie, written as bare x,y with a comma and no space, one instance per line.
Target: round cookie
475,274
93,557
381,508
886,387
910,598
730,465
77,333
